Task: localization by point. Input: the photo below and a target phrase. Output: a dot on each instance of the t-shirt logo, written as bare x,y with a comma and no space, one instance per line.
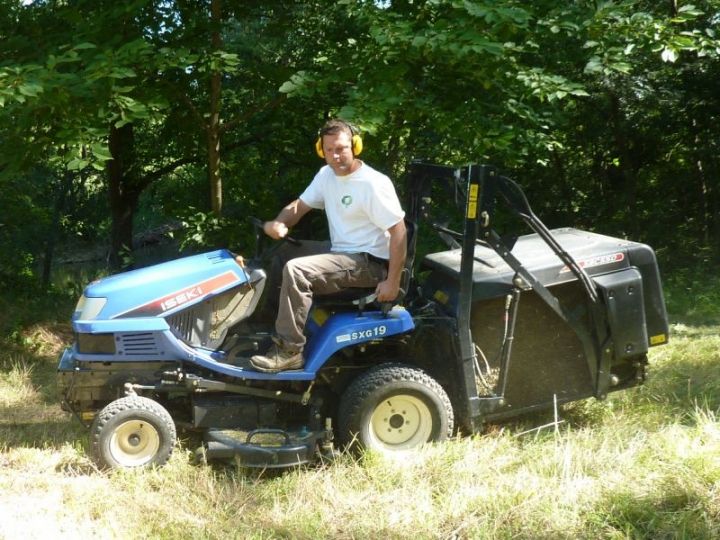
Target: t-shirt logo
346,201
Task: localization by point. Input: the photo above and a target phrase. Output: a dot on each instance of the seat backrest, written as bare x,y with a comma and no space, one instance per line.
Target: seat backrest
407,272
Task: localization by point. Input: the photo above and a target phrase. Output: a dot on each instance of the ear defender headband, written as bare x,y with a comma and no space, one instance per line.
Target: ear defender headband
357,143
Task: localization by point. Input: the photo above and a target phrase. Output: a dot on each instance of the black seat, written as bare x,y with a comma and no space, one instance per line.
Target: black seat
357,296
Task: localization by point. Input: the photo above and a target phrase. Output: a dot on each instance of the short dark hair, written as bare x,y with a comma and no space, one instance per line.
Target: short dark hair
336,125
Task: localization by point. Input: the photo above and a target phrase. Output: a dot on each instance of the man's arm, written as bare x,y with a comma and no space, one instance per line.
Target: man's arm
388,290
286,219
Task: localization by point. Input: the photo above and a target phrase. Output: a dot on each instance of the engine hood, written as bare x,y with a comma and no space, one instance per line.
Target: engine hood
165,288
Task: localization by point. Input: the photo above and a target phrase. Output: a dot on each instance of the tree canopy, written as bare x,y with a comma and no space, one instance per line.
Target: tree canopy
119,117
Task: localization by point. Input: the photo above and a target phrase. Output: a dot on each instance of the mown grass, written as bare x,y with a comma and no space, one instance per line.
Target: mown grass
643,464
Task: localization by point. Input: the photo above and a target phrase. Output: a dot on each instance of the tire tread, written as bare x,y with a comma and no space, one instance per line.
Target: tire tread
361,388
130,403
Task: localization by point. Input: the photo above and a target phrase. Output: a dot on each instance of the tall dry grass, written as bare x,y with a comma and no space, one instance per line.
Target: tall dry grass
643,464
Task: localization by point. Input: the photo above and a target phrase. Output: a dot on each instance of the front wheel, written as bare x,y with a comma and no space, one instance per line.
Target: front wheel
132,432
394,407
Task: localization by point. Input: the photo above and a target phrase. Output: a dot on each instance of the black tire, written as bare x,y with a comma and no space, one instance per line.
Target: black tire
132,432
394,407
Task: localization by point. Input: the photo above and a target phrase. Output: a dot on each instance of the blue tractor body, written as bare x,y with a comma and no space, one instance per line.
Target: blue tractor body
157,312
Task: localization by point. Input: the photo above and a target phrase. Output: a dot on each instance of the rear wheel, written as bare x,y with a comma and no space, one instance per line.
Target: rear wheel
132,432
395,407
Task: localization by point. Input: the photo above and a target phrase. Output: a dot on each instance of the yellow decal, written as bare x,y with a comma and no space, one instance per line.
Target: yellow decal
657,340
320,316
472,201
441,297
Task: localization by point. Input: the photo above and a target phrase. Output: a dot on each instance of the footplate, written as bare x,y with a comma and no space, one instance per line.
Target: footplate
264,448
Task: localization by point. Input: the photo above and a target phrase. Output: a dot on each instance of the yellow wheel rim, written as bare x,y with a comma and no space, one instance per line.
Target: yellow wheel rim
400,423
134,443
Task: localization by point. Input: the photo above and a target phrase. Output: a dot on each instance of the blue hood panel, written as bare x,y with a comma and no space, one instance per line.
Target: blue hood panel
167,287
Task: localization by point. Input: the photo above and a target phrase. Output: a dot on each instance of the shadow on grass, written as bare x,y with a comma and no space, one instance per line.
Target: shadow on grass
675,513
41,434
30,413
685,374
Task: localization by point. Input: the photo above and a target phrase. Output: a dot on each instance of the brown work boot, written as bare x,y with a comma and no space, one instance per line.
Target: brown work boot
277,359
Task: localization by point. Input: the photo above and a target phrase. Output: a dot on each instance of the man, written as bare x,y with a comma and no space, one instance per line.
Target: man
367,234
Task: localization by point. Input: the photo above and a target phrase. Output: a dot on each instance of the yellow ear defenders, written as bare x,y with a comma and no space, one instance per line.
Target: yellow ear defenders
357,143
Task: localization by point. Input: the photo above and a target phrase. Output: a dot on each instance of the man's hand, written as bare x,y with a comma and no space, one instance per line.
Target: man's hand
275,229
387,291
288,217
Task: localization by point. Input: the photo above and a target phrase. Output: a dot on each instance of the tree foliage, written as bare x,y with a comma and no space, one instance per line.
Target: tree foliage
118,117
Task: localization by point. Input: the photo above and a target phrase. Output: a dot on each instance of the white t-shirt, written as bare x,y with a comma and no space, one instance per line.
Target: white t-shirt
360,208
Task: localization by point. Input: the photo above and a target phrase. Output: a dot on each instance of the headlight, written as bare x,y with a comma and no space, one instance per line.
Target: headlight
88,308
96,343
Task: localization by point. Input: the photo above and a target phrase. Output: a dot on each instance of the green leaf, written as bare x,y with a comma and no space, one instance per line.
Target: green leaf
594,65
622,67
230,57
684,42
30,89
76,164
296,83
122,73
419,41
472,9
690,9
101,152
669,55
348,112
124,121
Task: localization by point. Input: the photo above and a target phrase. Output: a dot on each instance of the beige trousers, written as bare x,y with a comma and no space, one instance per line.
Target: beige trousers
318,274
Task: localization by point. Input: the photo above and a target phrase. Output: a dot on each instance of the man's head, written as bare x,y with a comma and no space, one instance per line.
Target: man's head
338,144
333,127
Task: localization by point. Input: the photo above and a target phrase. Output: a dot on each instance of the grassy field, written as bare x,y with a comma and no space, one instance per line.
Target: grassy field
643,464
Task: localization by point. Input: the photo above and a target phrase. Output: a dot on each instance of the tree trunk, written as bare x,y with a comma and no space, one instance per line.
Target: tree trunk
124,194
561,177
627,166
706,197
395,164
714,205
63,188
213,126
213,142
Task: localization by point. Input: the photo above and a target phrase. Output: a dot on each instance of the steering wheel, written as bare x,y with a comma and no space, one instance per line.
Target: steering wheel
260,224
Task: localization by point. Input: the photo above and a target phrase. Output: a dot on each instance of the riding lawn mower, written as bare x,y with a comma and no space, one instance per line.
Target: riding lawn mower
488,328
